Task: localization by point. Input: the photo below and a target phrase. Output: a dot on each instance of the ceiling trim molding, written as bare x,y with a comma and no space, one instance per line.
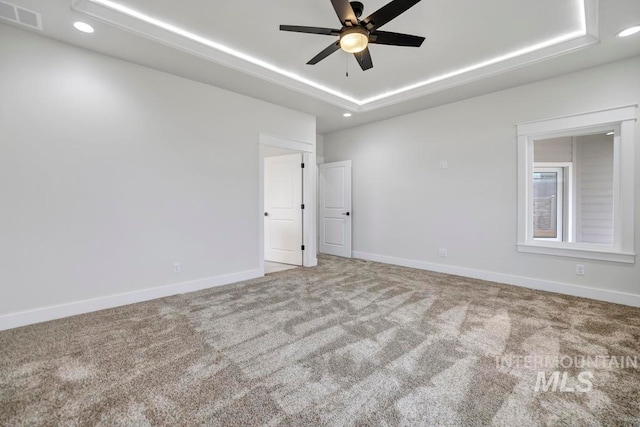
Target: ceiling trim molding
194,44
115,14
478,72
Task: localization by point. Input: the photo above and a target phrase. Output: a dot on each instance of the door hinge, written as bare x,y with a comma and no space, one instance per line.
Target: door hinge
302,165
302,247
302,206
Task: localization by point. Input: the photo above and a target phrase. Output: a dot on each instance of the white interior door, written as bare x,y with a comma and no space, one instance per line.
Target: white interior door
283,209
335,208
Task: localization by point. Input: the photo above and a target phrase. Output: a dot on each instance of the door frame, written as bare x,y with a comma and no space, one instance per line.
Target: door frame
309,176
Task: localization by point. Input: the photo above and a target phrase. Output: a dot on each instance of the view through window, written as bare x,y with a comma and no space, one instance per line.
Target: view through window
573,188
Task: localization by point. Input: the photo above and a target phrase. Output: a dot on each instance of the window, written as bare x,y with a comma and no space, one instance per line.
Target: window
548,205
575,186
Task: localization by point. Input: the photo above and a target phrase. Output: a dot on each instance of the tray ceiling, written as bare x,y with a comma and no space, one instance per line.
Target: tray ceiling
467,41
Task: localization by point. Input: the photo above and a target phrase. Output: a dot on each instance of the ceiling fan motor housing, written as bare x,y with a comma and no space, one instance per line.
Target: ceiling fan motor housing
358,8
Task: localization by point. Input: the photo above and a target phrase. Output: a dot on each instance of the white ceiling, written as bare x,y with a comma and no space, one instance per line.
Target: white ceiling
471,48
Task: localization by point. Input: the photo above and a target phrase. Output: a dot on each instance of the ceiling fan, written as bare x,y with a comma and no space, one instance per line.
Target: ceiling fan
356,34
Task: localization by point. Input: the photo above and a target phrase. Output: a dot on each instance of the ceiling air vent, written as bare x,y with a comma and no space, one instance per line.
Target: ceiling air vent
20,15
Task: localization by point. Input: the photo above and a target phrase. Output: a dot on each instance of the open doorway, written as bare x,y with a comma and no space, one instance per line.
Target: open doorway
287,218
283,209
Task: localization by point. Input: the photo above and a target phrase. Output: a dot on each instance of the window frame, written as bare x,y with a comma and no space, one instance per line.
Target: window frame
622,121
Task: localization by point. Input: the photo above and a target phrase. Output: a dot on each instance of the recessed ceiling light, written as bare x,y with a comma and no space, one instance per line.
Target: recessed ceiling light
346,115
609,133
83,26
629,31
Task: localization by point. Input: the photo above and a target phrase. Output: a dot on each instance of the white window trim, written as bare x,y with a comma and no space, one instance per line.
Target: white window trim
623,121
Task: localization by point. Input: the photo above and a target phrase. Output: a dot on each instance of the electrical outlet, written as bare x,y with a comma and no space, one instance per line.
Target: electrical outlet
580,269
444,164
176,268
442,252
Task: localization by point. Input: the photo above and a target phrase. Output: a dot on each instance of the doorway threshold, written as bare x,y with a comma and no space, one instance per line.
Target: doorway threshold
274,267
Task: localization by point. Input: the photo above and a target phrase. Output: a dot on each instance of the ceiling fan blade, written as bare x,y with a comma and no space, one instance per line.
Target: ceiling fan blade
345,12
310,30
328,51
395,39
386,13
364,59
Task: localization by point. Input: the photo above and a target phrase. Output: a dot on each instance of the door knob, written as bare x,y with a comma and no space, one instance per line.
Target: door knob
347,213
266,214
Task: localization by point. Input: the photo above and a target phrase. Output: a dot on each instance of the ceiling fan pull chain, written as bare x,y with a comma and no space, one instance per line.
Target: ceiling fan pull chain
346,63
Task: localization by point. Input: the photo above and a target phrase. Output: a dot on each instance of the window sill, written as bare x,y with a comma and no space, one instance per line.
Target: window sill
578,252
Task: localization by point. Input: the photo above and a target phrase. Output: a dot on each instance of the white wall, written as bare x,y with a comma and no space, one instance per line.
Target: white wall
553,150
405,207
111,172
320,148
276,151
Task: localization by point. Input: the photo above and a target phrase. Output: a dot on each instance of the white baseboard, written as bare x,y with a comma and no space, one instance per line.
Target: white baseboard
14,320
22,318
526,282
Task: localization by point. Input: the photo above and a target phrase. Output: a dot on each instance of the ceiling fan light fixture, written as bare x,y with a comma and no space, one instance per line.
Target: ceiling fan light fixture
354,40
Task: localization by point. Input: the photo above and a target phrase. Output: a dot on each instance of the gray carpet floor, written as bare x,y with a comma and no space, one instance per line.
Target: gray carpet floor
348,342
